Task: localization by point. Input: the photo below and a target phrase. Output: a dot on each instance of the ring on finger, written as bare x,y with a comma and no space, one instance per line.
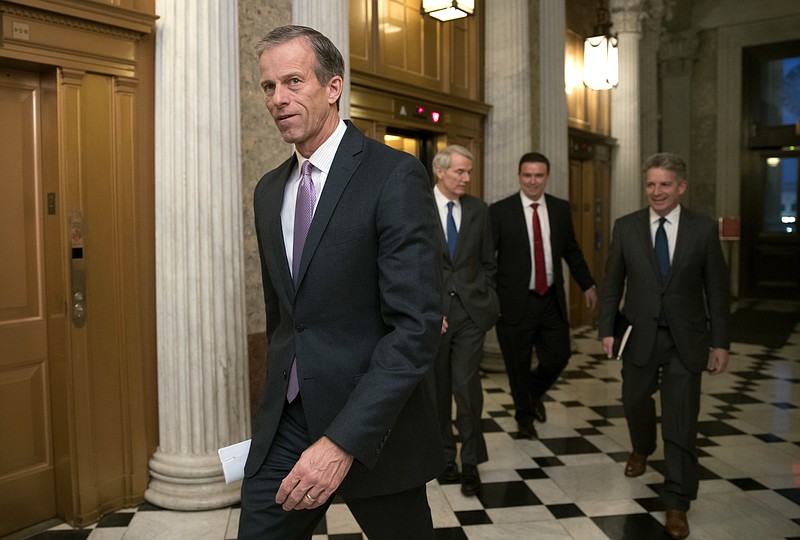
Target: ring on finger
310,498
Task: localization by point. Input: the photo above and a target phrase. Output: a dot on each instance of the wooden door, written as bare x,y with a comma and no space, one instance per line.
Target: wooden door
27,477
589,194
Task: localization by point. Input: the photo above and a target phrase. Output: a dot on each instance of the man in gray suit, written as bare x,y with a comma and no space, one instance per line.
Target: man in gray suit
471,309
668,262
352,289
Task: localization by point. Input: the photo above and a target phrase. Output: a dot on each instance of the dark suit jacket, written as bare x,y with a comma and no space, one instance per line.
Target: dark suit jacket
510,231
365,319
696,296
473,271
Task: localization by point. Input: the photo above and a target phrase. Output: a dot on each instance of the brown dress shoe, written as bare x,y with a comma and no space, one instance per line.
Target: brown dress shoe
677,526
637,463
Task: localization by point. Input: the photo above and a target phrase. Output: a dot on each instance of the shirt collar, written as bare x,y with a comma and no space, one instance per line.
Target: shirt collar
322,158
441,200
672,217
527,201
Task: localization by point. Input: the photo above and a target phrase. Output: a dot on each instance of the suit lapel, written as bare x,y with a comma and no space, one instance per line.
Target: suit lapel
646,240
343,167
685,227
519,223
467,221
272,201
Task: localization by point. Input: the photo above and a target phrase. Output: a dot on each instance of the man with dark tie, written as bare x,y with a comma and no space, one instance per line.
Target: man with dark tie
352,289
533,233
667,262
470,307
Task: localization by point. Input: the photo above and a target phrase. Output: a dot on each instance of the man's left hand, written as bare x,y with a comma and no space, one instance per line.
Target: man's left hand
717,361
590,295
315,477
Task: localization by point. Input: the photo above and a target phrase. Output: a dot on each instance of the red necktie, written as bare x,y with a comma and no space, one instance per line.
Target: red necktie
539,269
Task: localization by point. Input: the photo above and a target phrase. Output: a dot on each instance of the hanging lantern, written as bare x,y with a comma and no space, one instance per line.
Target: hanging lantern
601,55
447,10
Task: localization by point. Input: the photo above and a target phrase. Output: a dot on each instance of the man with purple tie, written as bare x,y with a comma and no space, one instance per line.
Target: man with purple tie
352,290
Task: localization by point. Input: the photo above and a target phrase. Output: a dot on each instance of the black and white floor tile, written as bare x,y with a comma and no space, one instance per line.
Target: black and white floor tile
569,484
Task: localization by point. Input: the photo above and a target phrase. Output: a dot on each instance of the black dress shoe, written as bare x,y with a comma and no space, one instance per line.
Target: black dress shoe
526,430
470,480
539,413
450,474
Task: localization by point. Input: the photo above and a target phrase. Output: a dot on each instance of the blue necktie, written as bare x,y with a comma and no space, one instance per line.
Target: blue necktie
452,232
662,251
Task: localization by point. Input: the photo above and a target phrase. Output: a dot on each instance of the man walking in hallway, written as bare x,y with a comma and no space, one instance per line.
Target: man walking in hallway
352,290
533,233
471,309
668,263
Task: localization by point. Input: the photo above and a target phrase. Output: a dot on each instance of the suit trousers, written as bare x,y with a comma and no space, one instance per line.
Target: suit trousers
543,327
680,406
456,374
394,516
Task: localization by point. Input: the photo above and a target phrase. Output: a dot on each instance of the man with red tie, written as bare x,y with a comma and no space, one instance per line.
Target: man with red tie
532,233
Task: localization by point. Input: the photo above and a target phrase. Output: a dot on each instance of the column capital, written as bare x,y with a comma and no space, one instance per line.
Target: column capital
629,15
677,52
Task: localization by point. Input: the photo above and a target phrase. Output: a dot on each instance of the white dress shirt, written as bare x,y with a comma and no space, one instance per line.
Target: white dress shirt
670,227
544,222
321,160
441,204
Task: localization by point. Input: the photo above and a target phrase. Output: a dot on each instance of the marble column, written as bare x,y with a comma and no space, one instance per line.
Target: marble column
508,127
202,386
553,117
675,56
652,30
508,80
331,18
626,177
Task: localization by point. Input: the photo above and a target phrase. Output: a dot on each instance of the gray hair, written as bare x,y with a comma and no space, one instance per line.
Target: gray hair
668,162
444,158
329,62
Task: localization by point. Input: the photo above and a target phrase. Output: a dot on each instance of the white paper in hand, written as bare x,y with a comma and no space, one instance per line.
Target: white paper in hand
233,458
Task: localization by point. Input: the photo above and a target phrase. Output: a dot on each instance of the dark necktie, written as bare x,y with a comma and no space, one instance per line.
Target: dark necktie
303,212
662,251
539,268
452,232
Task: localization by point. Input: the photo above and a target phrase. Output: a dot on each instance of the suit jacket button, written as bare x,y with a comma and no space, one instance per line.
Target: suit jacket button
284,374
299,327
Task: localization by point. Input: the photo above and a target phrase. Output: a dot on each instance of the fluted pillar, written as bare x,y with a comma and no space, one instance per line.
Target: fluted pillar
676,56
626,192
508,81
508,127
329,17
202,390
553,98
652,30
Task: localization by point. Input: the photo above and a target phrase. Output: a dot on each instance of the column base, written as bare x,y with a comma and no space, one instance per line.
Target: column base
183,482
492,360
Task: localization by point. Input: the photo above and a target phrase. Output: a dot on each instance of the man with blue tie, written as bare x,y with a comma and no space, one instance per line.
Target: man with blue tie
667,262
471,308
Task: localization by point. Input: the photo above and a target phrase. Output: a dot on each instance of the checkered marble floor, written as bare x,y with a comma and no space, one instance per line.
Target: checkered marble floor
569,484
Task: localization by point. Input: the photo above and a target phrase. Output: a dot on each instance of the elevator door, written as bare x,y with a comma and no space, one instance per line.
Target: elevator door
27,479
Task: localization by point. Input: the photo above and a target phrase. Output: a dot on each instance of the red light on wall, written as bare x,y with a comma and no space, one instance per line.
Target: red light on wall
420,110
435,117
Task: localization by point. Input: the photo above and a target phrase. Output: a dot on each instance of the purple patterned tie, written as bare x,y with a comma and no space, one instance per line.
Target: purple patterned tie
303,212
